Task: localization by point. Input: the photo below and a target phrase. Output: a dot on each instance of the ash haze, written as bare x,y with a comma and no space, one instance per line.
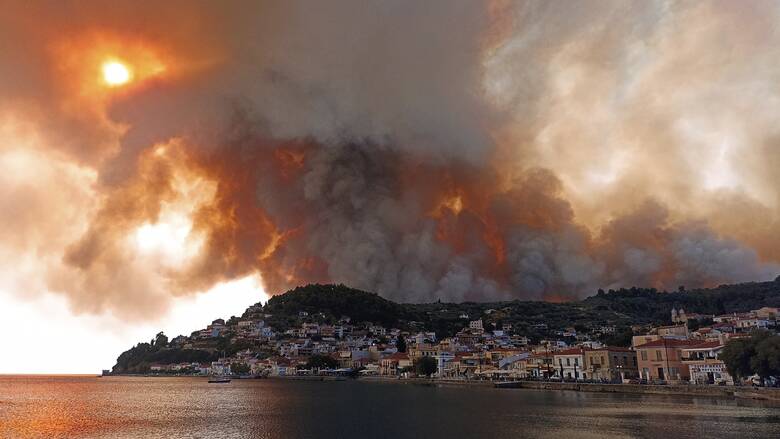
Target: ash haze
453,150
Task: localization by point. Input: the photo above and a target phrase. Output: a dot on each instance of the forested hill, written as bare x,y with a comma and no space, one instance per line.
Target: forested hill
329,304
650,303
623,306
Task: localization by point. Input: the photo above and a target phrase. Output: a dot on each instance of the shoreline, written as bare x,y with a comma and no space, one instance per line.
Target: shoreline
730,392
766,395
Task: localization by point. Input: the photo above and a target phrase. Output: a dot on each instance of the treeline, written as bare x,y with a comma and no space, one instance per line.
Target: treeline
757,355
648,305
140,357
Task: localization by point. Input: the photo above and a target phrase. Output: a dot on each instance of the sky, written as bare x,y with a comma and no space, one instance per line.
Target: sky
168,164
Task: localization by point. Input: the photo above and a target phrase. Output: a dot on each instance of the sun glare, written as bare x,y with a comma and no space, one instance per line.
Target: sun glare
115,73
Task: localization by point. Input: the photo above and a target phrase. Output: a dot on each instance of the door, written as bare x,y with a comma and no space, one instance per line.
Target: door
661,373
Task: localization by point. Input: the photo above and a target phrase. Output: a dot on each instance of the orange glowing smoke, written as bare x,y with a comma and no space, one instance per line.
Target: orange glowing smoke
92,65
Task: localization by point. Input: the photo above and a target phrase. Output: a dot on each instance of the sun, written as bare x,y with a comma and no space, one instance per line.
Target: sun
115,73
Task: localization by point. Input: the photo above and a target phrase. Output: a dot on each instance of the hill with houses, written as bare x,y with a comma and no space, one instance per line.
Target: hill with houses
325,316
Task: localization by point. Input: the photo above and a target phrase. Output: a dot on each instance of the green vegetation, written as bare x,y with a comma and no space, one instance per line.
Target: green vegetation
400,344
239,368
757,355
321,362
648,305
332,302
140,357
425,366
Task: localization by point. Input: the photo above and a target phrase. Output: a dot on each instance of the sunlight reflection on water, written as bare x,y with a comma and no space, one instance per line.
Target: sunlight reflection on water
119,407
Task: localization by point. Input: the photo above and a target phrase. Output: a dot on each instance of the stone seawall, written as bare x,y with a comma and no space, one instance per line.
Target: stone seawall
689,390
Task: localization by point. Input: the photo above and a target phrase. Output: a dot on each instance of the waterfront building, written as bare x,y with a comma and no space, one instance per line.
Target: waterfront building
612,364
569,364
704,364
662,360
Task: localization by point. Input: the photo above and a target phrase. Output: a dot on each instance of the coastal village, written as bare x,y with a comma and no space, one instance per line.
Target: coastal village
687,351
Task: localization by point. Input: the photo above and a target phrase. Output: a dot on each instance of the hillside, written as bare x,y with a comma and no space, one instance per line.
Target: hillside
329,304
334,302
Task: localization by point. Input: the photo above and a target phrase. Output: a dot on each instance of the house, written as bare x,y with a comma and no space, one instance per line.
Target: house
680,316
476,325
662,359
751,323
569,364
394,363
704,364
607,329
496,354
540,365
283,367
610,364
767,312
422,350
443,360
515,364
673,331
220,367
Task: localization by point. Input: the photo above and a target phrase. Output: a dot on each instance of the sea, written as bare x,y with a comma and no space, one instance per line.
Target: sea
146,407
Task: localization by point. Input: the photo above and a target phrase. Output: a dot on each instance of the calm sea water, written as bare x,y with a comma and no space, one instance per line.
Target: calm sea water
89,407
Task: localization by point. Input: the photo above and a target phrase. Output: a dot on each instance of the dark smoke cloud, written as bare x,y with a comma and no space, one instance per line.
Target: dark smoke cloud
456,150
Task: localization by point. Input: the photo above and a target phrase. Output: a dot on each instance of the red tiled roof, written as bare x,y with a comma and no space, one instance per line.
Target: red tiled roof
706,345
575,351
541,355
613,349
398,356
668,342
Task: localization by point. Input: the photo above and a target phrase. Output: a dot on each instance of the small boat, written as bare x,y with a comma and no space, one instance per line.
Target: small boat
219,379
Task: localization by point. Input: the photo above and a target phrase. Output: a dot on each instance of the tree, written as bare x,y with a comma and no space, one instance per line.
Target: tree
400,343
239,368
321,362
622,337
759,355
425,366
736,355
766,358
160,340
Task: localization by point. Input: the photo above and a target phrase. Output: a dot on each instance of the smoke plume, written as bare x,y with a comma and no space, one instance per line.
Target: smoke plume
453,150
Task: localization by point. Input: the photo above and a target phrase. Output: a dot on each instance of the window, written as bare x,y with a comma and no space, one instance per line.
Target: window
658,355
602,360
644,355
634,360
625,360
568,361
576,361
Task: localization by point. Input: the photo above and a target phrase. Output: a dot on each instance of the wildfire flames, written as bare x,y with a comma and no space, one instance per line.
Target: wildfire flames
471,157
